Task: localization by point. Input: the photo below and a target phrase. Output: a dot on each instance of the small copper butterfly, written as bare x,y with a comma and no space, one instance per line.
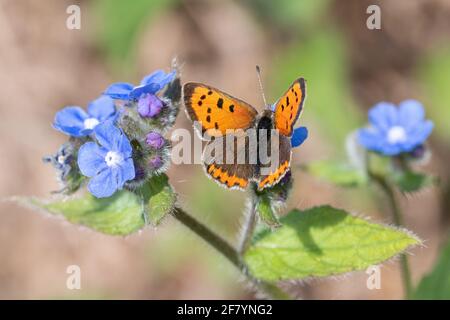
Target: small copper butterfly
218,113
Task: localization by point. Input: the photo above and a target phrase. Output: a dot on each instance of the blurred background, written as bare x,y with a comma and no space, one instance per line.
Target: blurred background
45,66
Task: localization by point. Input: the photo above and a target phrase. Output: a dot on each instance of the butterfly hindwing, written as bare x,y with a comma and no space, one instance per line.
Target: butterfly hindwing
226,160
276,173
215,110
289,106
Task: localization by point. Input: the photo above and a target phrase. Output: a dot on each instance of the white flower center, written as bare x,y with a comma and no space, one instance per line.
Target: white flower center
396,134
90,123
61,159
113,159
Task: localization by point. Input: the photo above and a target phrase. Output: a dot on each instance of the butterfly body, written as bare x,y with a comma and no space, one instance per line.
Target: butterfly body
244,146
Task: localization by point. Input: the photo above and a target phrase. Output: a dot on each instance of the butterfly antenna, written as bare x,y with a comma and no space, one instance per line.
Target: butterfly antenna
258,72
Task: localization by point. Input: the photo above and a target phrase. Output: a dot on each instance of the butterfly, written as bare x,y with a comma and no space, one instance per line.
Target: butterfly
221,116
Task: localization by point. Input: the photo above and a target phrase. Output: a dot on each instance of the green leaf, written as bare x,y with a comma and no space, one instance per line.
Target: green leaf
337,173
121,214
412,181
159,198
266,211
436,285
320,242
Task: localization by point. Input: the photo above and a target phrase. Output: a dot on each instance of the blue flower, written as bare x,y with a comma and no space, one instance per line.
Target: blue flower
109,165
151,84
394,130
74,121
299,136
62,160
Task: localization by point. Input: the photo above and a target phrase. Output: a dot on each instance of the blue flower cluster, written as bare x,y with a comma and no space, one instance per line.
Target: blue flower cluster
112,145
396,130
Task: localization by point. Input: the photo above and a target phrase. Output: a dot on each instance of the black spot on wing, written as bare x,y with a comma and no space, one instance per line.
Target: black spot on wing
231,107
208,118
220,103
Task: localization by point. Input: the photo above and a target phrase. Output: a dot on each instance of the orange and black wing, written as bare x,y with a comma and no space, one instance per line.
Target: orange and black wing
279,165
289,106
216,111
228,160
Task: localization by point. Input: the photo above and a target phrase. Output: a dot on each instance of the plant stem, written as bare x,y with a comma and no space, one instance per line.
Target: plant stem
249,225
210,237
398,220
226,250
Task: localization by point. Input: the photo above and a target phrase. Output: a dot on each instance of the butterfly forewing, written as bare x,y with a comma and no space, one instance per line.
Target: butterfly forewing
215,110
289,106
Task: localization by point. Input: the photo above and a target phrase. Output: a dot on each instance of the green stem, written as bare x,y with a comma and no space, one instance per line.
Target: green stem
210,237
249,225
398,220
227,251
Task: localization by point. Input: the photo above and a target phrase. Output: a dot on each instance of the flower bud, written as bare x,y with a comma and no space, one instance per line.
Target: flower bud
419,152
156,162
154,140
149,105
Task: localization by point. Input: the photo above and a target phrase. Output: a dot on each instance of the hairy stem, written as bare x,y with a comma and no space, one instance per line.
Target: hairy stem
398,220
227,251
249,225
210,237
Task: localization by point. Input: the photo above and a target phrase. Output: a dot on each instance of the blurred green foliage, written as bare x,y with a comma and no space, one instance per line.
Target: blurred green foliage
120,23
436,285
287,14
221,207
321,61
338,173
434,75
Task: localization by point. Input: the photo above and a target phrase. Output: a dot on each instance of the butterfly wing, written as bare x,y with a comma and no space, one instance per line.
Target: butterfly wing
289,106
226,160
276,173
215,110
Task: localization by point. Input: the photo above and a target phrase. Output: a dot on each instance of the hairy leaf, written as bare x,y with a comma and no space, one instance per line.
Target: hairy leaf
412,181
122,214
322,241
266,212
159,198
